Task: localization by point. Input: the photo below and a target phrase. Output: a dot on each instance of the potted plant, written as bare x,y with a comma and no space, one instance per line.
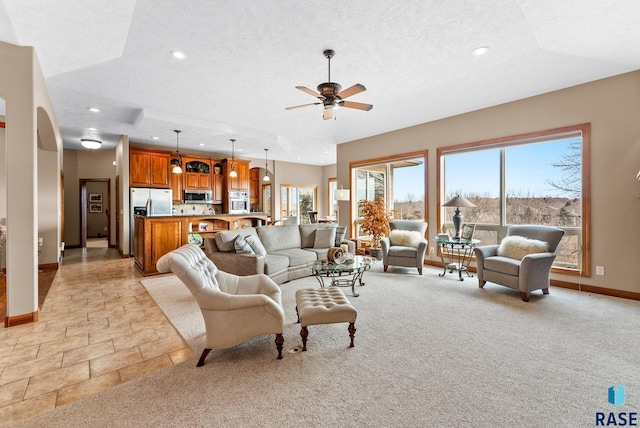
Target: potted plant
375,222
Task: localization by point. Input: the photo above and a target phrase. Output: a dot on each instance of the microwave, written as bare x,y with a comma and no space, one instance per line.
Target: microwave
238,203
198,197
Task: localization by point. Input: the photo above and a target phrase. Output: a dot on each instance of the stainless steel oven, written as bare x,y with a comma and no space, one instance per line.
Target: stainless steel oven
238,202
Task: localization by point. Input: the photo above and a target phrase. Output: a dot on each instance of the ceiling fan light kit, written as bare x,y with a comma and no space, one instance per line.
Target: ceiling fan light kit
331,95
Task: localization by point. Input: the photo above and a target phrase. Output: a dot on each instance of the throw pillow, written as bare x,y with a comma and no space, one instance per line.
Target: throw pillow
242,246
516,247
405,238
325,238
341,232
256,245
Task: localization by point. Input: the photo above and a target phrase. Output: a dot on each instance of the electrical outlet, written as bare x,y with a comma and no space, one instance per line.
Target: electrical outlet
599,270
432,250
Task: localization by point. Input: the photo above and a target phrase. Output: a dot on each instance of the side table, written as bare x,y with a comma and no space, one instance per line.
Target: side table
456,254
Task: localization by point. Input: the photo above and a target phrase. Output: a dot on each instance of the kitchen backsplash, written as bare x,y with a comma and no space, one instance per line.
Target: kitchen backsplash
196,209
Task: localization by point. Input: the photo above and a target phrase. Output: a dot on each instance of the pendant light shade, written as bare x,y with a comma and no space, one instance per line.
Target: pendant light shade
233,173
266,167
177,162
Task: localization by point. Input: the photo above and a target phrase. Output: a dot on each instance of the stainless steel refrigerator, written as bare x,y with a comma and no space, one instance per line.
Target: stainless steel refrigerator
149,202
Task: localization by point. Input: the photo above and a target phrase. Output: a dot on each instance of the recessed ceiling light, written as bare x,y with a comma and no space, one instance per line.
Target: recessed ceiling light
93,109
481,50
92,129
178,54
201,144
155,138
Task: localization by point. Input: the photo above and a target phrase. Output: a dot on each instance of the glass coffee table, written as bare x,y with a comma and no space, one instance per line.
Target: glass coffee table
343,274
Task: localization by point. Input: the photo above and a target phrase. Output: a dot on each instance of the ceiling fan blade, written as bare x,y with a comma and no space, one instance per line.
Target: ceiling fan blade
359,106
355,89
328,113
310,92
301,105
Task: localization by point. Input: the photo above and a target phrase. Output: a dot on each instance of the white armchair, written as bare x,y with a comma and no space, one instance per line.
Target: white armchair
234,308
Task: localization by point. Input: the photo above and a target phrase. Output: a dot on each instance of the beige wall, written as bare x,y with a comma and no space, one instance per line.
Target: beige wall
301,175
612,106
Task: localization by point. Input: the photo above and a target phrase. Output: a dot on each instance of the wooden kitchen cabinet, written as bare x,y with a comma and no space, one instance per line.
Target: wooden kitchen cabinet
197,174
149,168
254,186
241,182
218,183
176,188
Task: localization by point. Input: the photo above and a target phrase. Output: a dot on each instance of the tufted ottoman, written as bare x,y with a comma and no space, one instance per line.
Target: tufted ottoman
324,306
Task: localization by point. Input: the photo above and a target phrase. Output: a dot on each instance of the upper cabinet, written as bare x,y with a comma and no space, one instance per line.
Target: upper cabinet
197,173
254,186
149,169
241,182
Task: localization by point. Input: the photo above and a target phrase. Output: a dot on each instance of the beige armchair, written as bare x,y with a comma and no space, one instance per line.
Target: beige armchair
234,308
515,268
403,249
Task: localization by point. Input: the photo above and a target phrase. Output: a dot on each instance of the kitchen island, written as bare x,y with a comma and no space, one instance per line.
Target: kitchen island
156,236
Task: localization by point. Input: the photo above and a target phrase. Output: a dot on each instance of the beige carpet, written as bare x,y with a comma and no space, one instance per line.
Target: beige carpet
430,352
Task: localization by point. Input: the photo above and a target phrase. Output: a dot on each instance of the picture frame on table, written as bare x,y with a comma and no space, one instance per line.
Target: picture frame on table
95,208
95,197
468,229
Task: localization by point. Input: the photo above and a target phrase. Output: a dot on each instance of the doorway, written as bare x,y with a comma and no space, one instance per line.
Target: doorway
95,218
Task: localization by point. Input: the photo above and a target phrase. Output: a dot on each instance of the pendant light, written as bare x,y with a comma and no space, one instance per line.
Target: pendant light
233,173
266,167
177,163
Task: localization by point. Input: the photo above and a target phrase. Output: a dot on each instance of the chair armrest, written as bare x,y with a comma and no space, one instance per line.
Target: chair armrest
385,244
535,270
486,251
351,246
238,264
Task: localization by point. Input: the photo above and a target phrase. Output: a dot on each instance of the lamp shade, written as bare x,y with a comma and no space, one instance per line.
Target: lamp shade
342,194
459,201
90,143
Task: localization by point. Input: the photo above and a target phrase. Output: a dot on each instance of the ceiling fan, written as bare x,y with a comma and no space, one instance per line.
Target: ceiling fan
331,94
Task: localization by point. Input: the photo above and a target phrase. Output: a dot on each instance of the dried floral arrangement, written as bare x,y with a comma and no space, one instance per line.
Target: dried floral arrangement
375,219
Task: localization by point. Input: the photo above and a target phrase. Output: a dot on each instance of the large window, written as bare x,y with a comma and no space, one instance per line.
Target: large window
531,179
399,180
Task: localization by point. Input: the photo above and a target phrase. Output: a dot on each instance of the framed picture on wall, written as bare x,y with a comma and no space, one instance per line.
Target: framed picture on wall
95,208
467,231
95,197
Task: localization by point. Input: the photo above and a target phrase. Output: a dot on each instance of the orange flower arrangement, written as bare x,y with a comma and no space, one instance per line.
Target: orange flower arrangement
376,219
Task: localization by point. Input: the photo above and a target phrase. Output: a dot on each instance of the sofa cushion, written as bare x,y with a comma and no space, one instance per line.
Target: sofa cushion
504,265
275,238
516,247
225,240
341,232
256,245
406,238
402,251
297,256
242,246
308,233
325,238
274,263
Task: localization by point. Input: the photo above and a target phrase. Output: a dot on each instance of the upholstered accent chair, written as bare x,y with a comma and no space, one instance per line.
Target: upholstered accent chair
522,261
234,308
406,245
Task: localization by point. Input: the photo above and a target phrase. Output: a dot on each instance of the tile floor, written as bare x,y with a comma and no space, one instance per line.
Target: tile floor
98,328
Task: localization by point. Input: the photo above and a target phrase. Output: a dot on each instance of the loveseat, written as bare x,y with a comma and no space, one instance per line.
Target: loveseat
281,252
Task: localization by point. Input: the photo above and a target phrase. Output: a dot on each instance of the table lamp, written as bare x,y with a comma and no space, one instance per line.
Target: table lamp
457,202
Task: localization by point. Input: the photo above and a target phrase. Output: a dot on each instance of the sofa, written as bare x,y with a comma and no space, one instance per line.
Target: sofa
281,252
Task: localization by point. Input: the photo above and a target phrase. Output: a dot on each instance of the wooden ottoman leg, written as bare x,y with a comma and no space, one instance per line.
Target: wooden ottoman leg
202,357
352,333
297,314
304,333
279,343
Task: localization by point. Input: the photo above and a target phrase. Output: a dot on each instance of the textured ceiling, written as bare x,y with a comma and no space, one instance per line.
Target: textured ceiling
245,57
